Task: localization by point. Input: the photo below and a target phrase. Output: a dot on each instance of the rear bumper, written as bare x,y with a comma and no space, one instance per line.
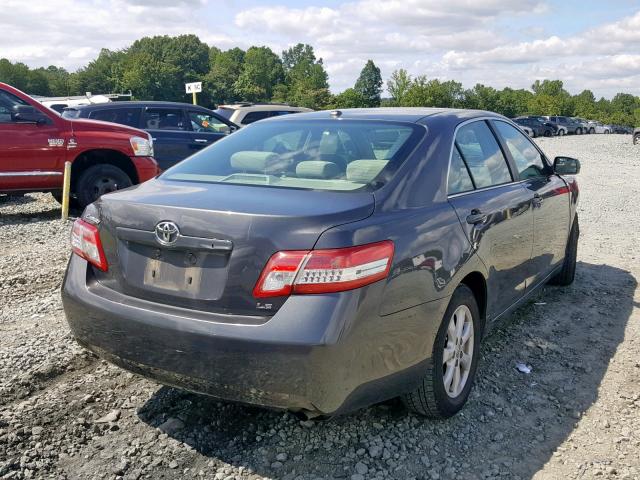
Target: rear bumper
323,354
146,168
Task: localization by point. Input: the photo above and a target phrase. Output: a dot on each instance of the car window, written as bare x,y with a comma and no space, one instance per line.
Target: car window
255,116
307,154
459,178
7,102
123,116
204,122
164,119
482,154
527,158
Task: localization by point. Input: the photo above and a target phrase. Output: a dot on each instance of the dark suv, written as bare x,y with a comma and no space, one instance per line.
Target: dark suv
538,126
566,125
178,129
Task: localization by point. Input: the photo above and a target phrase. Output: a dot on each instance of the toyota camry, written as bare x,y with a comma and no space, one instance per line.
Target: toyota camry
326,261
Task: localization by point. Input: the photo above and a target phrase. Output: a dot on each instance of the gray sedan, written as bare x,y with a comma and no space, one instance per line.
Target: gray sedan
325,261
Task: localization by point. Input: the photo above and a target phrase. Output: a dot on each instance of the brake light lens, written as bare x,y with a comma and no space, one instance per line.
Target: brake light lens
86,243
324,271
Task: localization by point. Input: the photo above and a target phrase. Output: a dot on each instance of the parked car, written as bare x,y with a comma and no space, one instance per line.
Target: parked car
566,125
584,125
527,130
622,129
599,127
35,143
178,129
636,136
537,125
325,261
245,113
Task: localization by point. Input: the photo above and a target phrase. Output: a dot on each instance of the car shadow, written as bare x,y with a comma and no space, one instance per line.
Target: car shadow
511,425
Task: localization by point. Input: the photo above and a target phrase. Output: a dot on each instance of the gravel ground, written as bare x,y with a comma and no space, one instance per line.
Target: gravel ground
65,414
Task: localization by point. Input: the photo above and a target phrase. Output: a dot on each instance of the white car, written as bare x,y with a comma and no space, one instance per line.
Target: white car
598,127
527,130
245,113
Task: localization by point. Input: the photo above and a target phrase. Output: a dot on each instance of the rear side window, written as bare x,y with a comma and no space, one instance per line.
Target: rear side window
124,116
480,151
255,116
526,157
459,177
308,154
164,119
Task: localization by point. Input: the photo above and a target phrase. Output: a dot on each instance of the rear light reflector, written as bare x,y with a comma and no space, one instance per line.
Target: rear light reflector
324,271
86,243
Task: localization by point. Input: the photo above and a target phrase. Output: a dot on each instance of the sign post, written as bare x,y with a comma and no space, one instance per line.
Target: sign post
193,88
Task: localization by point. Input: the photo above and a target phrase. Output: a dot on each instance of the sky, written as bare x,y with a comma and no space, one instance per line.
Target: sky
586,44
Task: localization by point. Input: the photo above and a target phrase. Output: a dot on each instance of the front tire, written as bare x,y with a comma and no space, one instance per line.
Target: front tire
636,139
97,180
568,272
450,373
560,133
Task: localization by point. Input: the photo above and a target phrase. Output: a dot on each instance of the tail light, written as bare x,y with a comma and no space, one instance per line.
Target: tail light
324,271
85,242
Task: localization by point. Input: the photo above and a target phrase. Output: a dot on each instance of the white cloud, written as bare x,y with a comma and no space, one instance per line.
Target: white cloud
496,42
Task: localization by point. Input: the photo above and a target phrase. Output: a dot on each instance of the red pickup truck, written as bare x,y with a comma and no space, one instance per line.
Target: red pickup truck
35,143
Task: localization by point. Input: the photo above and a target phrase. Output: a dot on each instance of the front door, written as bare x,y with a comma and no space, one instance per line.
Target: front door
33,154
206,129
494,210
550,202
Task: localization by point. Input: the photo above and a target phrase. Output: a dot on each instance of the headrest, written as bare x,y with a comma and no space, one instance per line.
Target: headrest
253,161
317,169
363,171
328,144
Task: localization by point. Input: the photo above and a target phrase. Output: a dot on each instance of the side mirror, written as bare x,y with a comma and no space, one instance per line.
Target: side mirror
27,114
566,166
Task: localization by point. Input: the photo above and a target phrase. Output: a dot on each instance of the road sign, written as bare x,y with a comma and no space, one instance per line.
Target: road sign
194,87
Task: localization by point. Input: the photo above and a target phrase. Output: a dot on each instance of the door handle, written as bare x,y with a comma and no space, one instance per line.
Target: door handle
476,217
537,200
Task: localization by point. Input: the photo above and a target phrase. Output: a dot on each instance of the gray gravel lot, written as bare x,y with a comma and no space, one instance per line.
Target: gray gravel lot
65,414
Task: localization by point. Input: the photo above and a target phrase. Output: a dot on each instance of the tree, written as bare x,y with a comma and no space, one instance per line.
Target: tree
434,93
350,98
102,75
305,77
369,84
398,86
482,98
225,69
584,104
261,72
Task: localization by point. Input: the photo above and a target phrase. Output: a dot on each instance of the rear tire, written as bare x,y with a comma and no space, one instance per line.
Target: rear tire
436,397
579,131
560,133
97,180
636,139
548,133
568,272
592,130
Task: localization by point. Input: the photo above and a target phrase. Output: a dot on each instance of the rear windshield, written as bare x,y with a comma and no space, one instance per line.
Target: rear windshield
224,112
332,154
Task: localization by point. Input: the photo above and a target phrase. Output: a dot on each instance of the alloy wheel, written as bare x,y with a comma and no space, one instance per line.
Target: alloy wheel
458,351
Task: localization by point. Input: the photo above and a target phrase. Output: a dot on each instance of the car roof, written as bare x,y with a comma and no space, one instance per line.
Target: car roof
141,103
257,107
399,114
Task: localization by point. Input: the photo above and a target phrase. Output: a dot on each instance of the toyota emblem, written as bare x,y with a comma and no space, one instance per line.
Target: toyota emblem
167,233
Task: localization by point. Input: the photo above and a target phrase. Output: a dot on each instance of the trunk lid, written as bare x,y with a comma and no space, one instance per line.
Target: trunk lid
226,235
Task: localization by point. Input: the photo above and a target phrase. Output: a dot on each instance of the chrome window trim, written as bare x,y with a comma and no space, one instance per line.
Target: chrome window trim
29,174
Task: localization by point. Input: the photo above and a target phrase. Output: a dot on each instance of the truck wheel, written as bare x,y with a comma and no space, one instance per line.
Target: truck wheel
97,180
452,368
568,272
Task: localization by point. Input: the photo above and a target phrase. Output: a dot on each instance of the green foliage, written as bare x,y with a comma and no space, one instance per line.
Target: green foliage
350,98
398,86
369,85
156,68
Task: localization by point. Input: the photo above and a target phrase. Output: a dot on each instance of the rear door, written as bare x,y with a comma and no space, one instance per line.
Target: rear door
169,129
33,154
550,202
494,210
206,129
